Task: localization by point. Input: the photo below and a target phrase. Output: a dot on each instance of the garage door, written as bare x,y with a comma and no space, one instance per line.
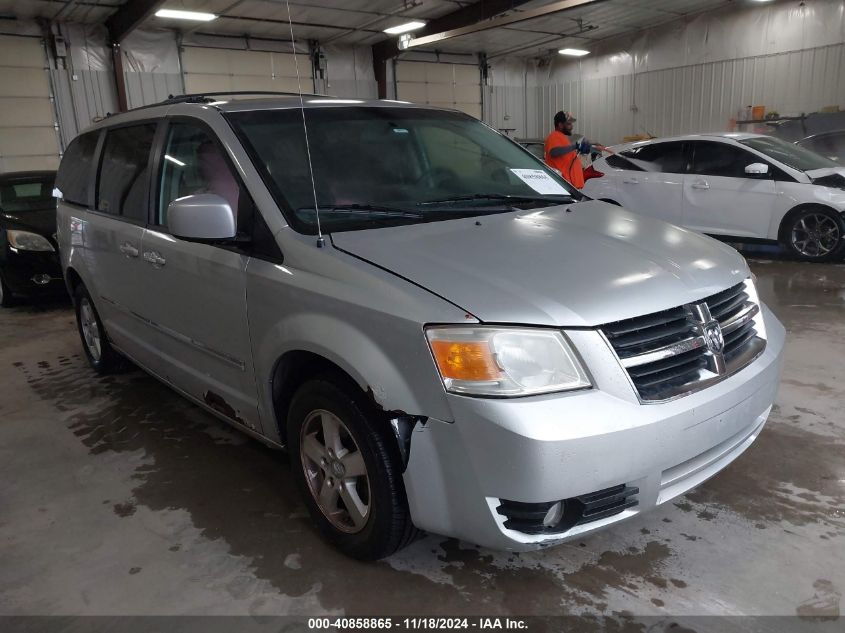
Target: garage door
442,84
28,137
220,70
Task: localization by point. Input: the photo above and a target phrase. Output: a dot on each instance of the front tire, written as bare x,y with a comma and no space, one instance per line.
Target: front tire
814,234
347,468
100,354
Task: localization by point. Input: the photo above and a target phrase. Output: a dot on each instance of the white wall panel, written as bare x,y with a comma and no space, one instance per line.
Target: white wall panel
221,70
443,84
28,126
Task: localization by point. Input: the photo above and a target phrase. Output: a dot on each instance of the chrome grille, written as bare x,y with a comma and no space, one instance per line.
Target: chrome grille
677,351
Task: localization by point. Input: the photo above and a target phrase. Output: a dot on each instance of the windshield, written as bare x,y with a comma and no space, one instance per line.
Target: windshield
382,166
789,154
26,195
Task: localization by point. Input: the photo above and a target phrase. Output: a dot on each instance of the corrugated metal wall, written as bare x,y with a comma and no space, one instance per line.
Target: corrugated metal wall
688,76
707,96
696,98
83,80
144,88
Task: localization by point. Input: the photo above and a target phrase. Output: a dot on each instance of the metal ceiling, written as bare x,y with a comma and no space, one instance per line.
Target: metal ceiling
361,22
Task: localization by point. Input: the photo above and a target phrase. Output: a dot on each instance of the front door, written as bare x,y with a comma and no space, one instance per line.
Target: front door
199,314
720,199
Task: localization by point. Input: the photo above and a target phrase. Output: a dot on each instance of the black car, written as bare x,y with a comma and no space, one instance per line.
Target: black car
29,257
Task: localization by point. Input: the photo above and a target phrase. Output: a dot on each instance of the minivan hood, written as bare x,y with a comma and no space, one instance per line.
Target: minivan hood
575,265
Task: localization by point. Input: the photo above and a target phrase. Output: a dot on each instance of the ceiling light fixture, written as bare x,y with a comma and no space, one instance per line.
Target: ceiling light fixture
404,28
573,52
177,14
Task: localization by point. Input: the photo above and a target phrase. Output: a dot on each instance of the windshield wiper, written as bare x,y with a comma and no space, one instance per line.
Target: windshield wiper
367,209
552,198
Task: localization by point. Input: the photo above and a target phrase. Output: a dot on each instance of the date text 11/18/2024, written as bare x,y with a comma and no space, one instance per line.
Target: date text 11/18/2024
420,623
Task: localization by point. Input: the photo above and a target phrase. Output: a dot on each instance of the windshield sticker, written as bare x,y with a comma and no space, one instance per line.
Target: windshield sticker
539,181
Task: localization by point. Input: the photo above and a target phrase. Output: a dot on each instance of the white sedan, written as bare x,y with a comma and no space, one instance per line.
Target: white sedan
743,187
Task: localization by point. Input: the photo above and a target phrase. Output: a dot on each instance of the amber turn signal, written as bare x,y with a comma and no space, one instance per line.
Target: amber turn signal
465,360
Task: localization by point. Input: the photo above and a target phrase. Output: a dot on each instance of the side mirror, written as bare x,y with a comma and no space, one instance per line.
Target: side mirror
757,170
202,216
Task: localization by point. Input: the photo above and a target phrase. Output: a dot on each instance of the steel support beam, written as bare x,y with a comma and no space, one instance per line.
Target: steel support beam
127,18
467,15
120,24
119,77
513,18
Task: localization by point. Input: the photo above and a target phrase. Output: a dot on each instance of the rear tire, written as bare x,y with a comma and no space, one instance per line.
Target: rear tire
100,354
814,234
347,468
6,298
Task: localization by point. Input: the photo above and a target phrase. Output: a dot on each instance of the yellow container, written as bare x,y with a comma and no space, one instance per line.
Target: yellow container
758,112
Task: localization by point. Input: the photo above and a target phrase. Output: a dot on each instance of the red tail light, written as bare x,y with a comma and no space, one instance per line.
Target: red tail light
592,172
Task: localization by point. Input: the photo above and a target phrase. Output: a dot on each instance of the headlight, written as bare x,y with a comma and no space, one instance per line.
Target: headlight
497,361
26,241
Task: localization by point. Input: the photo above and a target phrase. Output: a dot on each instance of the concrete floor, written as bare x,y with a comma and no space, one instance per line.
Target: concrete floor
119,497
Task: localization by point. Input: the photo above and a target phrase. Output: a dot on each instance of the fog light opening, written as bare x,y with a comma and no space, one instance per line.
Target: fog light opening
41,280
554,515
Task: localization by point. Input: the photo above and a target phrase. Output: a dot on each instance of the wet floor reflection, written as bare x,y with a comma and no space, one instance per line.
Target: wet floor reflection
240,492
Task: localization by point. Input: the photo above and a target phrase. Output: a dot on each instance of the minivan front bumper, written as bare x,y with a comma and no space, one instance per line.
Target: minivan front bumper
544,449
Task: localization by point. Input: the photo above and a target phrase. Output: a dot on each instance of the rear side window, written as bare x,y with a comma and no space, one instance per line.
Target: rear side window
124,179
620,163
26,195
667,158
720,159
74,176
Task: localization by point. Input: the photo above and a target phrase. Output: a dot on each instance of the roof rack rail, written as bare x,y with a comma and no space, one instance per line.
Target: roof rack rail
207,97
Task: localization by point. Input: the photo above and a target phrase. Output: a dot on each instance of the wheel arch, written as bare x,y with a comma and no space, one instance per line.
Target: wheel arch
783,227
292,370
381,386
72,280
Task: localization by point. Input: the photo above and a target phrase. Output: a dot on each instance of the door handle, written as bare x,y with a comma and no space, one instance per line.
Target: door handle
154,258
630,181
127,249
701,184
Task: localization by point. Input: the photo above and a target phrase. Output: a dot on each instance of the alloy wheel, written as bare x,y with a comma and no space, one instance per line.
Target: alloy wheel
90,329
335,471
815,235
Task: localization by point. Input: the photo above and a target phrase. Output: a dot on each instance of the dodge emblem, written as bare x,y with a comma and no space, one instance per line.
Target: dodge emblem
713,336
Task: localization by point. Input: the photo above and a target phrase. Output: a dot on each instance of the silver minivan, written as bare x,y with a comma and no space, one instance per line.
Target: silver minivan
445,335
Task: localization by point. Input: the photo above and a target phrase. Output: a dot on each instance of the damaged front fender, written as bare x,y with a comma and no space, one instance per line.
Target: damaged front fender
403,428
